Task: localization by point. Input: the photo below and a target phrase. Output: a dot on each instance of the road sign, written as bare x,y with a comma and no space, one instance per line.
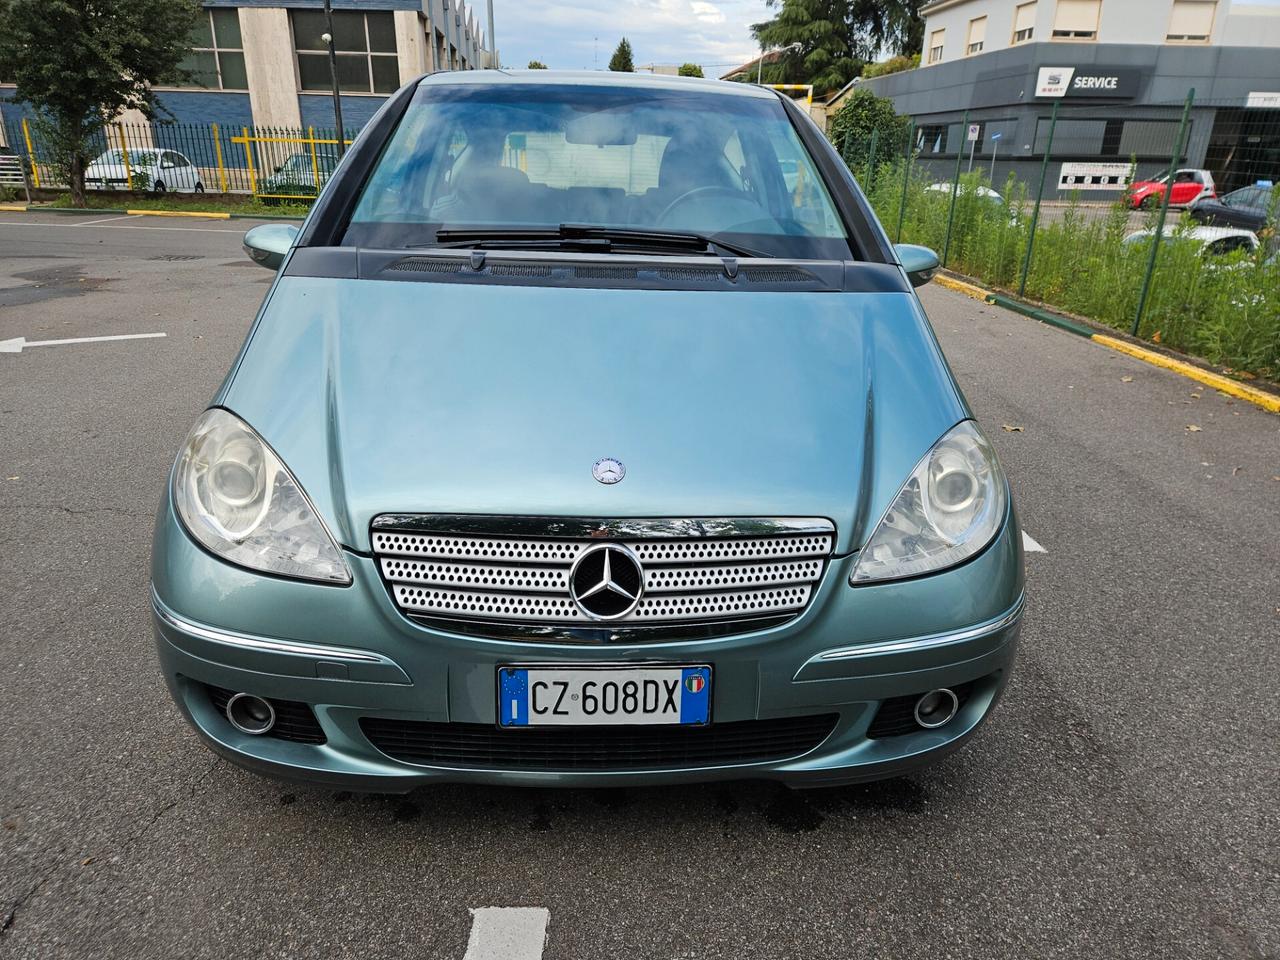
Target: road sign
975,131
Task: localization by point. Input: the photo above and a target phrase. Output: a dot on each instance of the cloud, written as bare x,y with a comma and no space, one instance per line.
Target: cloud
582,34
707,12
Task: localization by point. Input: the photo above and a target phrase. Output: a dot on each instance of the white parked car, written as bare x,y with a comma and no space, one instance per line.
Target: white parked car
1213,241
985,192
152,168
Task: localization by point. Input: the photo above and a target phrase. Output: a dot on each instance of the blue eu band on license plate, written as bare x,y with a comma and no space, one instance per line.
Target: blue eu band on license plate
603,696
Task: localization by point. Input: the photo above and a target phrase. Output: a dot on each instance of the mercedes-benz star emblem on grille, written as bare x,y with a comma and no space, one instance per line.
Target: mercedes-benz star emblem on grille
606,581
608,470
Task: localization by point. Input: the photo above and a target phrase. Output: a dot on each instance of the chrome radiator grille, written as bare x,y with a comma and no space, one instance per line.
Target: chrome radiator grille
685,572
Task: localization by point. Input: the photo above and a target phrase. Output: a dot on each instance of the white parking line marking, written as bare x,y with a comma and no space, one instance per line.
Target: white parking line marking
18,344
90,223
508,933
1030,546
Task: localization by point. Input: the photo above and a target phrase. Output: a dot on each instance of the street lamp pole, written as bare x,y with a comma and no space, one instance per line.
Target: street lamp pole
333,77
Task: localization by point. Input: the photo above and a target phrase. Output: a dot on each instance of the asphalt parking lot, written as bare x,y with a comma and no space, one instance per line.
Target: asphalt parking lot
1120,803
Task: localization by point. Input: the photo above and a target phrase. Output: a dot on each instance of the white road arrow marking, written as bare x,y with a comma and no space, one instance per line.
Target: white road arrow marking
1030,546
508,933
18,344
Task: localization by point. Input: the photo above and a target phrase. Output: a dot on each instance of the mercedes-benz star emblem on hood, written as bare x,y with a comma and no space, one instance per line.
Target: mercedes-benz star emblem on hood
608,470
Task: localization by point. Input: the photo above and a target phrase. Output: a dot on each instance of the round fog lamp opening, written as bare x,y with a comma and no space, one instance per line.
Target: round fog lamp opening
250,714
937,708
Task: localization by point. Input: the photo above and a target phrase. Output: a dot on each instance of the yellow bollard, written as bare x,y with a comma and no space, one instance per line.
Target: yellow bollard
248,159
124,150
315,164
217,150
31,155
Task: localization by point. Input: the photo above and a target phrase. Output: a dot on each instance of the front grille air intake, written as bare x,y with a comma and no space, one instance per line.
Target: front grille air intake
725,573
480,745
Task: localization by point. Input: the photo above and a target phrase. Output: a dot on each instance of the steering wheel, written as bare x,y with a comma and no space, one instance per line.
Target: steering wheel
698,193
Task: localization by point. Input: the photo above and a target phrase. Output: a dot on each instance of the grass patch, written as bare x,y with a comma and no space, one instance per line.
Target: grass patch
1225,309
211,202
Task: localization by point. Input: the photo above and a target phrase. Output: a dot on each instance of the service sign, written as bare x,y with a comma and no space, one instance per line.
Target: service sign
1058,82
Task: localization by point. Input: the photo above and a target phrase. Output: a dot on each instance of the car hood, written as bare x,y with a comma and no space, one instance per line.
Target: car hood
407,397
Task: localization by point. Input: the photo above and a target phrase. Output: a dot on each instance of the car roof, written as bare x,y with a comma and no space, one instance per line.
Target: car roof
596,78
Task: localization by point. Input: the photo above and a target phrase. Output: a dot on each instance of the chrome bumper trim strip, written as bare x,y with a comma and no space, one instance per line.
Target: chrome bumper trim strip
917,644
265,644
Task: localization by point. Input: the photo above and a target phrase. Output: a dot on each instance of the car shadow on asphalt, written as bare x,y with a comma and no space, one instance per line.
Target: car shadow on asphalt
721,806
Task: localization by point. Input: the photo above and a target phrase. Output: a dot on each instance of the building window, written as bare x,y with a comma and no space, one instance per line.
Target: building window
216,60
365,45
1192,21
1024,22
977,35
1077,20
935,45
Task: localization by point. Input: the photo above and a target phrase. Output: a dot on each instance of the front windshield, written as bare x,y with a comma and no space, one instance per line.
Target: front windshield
522,156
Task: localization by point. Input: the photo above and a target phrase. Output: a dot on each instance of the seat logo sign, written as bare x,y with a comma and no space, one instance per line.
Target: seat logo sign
1054,81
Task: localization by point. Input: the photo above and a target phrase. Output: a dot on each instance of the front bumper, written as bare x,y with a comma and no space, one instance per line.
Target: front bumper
350,654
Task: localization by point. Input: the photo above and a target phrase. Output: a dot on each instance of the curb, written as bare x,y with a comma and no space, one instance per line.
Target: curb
1044,316
1262,398
206,214
959,286
178,213
1241,391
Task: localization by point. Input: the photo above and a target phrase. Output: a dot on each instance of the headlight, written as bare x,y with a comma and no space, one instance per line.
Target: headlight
235,496
951,507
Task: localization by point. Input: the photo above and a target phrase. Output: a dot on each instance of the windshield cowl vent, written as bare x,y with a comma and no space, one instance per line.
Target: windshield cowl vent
429,265
777,275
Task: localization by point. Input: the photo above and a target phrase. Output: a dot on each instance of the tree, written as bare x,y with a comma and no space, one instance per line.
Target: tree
79,63
826,42
537,65
864,114
621,61
892,65
690,70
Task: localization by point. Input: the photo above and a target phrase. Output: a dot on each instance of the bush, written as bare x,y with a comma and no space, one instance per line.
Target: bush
689,70
864,120
892,65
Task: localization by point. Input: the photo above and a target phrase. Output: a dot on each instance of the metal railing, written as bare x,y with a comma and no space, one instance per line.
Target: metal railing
272,163
1081,216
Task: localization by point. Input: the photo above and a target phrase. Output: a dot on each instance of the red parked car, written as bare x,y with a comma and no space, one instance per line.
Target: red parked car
1188,186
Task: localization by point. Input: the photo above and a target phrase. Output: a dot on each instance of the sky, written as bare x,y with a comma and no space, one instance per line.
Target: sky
563,34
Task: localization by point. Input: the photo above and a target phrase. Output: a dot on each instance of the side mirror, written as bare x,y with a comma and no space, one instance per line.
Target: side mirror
920,263
268,244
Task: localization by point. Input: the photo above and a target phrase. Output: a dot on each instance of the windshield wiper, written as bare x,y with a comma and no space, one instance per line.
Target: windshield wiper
589,238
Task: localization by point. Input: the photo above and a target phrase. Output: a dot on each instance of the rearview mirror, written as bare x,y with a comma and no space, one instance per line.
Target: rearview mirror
920,263
268,244
601,129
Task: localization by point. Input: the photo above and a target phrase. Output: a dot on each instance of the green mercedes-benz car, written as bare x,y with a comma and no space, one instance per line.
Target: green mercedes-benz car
591,433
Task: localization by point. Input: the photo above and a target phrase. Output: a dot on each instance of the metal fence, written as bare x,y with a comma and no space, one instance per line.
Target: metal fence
265,162
1193,265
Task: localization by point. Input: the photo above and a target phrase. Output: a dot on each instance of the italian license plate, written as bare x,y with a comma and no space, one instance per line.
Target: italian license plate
603,696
